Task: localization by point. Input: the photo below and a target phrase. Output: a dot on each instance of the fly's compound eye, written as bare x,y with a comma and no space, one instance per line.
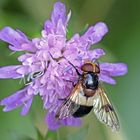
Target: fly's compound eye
90,67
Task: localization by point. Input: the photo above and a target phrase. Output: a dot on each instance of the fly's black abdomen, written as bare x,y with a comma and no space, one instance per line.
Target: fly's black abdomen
82,111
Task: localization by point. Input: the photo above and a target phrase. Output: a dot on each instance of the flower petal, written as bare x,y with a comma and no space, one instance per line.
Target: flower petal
114,69
16,100
13,37
13,97
60,30
26,107
59,12
96,53
71,121
58,21
49,27
23,70
107,79
100,29
94,34
10,72
54,123
25,56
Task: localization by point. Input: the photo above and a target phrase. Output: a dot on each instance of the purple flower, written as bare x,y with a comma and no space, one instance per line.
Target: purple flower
44,67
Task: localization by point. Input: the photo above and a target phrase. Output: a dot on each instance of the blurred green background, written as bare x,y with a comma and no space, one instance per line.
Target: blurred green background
122,43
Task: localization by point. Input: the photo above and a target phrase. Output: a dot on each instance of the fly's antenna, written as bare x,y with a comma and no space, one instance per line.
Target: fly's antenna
78,73
51,55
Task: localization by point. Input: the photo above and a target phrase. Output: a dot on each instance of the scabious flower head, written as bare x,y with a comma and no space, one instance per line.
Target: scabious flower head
44,64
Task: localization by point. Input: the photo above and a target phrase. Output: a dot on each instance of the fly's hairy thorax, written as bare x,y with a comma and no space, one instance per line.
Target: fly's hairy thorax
89,83
83,93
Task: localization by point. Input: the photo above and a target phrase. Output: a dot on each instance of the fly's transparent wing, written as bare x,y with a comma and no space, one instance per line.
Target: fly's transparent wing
67,109
104,110
71,104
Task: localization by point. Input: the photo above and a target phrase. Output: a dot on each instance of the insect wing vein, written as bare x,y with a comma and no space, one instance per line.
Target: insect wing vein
70,105
104,110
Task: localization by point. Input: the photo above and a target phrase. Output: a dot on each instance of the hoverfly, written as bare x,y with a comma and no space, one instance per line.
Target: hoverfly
88,95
